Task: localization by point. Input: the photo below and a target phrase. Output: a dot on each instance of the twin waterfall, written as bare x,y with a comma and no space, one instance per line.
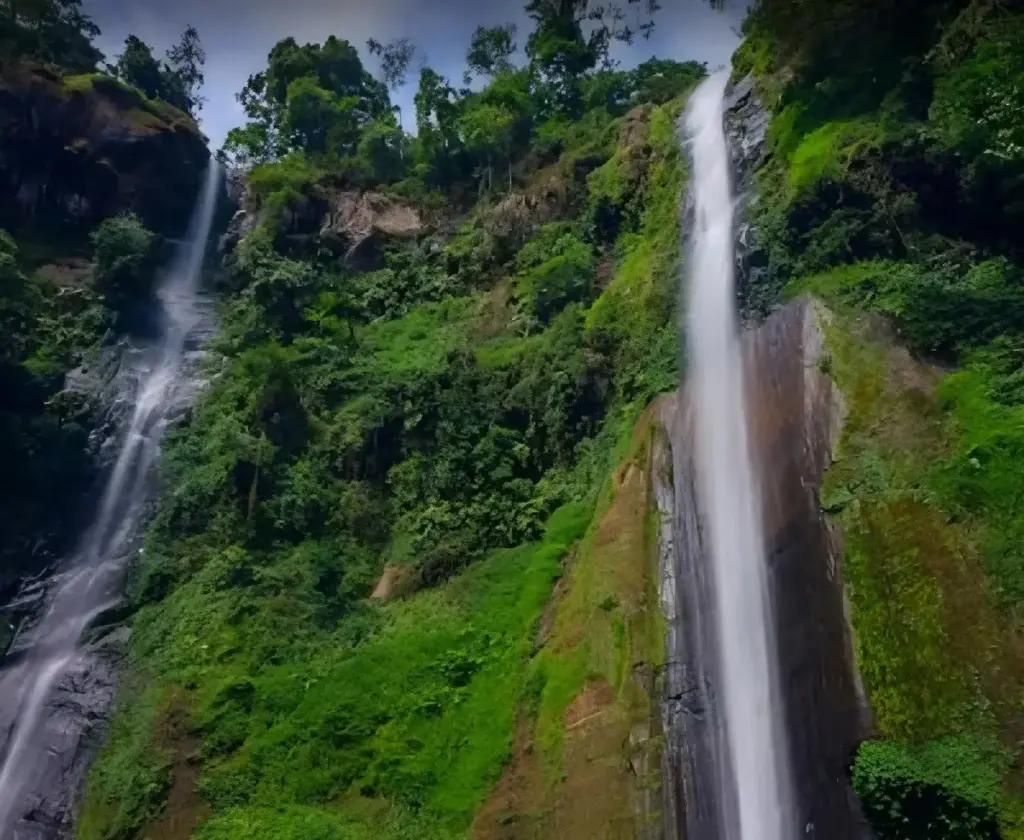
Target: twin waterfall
755,799
90,583
760,707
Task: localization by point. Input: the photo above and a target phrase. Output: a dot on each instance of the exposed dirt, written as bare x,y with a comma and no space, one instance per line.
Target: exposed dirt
518,807
184,809
596,698
603,611
388,582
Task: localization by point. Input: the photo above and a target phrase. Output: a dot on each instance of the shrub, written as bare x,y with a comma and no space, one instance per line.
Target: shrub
948,788
125,257
556,269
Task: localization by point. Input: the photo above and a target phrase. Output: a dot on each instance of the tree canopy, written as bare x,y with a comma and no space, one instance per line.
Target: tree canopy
176,81
491,50
56,31
312,97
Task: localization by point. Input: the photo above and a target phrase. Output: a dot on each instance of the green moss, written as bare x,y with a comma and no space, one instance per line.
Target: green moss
295,171
933,647
82,83
138,108
608,621
827,151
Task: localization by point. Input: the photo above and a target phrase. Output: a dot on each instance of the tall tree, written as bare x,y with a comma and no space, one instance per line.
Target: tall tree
186,60
316,94
137,66
487,130
437,135
573,37
491,49
395,60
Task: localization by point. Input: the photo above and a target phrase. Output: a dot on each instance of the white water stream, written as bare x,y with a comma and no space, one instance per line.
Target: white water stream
756,792
90,583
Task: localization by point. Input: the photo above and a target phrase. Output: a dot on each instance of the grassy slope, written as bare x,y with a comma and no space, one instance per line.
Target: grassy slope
250,712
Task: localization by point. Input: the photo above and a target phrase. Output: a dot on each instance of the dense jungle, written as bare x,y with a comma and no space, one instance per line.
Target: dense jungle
399,571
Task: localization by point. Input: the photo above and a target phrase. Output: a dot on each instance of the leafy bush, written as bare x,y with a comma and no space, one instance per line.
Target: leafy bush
125,258
977,103
411,277
555,269
948,788
939,307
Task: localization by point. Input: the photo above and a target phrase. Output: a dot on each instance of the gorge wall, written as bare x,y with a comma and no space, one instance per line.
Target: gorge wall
797,415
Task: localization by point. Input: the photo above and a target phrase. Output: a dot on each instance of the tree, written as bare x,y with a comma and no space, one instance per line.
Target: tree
487,129
124,260
382,146
491,50
176,83
316,119
563,52
247,146
57,31
186,59
312,94
137,66
395,59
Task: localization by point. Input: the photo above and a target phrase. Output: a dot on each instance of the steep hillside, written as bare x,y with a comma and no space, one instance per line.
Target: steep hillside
891,187
376,599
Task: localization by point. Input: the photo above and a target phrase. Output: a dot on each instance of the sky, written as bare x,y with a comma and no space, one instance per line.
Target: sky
238,34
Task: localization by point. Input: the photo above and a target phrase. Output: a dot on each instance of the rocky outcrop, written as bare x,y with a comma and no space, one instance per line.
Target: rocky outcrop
360,224
75,150
796,417
746,126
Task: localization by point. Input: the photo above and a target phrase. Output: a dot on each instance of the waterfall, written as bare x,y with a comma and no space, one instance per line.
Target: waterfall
754,787
90,582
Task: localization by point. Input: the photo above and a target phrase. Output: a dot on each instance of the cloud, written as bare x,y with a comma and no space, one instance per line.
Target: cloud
238,35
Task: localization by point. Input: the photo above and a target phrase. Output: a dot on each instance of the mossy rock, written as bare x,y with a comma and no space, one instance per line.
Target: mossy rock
100,146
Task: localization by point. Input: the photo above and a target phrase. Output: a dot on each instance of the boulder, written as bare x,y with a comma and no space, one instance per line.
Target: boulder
361,224
75,150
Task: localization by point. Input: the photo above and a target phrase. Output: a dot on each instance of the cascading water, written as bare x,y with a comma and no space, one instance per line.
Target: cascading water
754,797
90,582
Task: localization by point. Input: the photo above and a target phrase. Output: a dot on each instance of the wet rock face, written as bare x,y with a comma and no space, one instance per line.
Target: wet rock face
746,128
76,718
78,710
76,153
796,416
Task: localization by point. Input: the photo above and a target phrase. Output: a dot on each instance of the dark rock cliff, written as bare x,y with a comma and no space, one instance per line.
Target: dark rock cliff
75,150
796,419
746,126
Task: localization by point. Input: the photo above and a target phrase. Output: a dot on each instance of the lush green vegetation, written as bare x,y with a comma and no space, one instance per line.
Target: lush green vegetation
890,190
60,34
438,421
56,31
